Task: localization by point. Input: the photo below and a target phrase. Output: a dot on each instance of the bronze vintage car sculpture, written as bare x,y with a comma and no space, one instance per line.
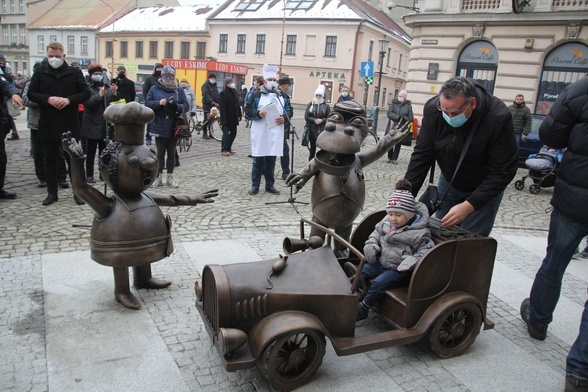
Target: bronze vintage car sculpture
276,313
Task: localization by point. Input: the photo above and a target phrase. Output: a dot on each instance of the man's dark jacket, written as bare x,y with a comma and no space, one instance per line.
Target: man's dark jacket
229,107
126,88
209,96
566,126
491,160
66,82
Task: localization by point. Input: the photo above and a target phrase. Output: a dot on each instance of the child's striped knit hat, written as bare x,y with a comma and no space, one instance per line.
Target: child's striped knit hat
402,200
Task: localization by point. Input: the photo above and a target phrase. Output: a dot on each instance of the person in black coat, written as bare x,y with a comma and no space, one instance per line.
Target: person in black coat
566,126
126,87
58,89
209,99
93,123
150,82
316,114
230,112
8,91
490,164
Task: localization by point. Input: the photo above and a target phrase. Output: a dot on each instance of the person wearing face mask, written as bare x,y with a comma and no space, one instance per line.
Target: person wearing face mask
168,101
150,82
345,95
489,165
400,109
316,114
230,115
126,87
190,94
267,133
209,100
521,117
58,88
93,123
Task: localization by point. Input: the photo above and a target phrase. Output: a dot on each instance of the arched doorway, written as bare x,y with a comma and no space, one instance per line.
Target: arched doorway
562,66
479,61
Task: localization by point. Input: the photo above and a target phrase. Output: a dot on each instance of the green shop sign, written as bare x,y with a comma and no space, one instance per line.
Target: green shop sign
328,75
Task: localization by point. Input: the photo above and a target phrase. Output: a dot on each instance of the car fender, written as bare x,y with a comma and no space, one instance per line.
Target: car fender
442,304
279,324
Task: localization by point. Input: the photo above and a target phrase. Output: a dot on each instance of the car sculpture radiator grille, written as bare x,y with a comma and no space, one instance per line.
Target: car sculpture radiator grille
210,301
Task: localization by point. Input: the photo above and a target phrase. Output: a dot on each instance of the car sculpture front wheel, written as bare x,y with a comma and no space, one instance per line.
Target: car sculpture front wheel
292,359
455,330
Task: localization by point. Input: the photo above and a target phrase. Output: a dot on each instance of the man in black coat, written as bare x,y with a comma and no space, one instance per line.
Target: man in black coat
8,91
209,99
566,126
150,82
58,89
489,165
126,87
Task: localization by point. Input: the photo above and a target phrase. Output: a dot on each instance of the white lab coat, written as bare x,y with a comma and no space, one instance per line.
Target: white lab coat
267,141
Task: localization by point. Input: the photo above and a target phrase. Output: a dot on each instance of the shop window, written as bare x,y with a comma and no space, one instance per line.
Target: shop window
479,61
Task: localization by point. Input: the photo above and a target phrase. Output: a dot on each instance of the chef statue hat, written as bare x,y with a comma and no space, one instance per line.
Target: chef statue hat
270,71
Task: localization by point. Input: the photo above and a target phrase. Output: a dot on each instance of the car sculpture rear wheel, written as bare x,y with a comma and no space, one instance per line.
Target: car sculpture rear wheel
292,359
455,330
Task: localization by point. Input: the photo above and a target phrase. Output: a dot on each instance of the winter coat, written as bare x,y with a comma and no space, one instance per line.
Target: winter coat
343,99
7,90
491,160
93,123
230,110
566,126
67,82
165,116
521,118
316,111
400,111
126,88
34,111
150,82
209,96
404,245
190,97
265,141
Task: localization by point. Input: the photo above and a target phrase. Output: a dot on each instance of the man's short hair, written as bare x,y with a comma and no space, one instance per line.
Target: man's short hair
55,46
457,86
285,80
520,95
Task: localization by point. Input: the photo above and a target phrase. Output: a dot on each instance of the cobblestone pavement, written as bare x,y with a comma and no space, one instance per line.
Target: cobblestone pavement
30,230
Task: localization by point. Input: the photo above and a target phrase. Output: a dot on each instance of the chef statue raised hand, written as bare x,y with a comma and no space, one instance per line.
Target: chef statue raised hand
129,229
338,189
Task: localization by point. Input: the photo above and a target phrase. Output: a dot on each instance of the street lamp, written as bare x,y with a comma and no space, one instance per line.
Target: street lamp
384,42
112,63
392,5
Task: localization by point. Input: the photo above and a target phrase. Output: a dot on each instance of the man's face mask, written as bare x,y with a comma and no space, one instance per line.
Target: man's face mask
55,62
213,81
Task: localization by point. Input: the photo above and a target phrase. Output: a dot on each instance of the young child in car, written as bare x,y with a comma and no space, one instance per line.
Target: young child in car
395,246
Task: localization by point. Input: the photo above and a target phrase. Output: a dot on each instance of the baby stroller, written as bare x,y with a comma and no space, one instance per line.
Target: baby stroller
542,169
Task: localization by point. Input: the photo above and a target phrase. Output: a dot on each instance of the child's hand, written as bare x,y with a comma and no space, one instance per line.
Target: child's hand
371,251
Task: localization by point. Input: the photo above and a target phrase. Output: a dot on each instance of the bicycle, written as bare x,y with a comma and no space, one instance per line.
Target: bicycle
214,126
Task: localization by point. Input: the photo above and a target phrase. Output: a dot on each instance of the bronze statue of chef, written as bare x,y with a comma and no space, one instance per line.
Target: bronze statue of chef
129,228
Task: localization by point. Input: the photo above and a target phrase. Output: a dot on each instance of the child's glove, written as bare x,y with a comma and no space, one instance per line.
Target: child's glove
371,251
407,264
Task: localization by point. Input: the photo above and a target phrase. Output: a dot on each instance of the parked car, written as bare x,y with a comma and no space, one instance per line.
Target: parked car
275,314
139,97
532,144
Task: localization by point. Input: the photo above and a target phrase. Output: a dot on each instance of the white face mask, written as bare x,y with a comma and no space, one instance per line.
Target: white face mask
184,84
400,99
232,85
271,84
55,62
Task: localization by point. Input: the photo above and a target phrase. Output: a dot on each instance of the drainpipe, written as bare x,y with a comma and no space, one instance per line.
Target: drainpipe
352,84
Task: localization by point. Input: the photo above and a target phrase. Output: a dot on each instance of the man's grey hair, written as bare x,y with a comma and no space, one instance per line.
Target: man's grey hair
457,86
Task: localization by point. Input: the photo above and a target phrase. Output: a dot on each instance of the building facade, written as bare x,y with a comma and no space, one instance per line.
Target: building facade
315,43
510,47
14,40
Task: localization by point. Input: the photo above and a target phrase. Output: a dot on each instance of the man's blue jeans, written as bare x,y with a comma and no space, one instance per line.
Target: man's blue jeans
265,166
479,221
564,237
383,279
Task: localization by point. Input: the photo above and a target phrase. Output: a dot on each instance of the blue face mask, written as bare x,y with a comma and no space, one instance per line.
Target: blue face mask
97,78
456,121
